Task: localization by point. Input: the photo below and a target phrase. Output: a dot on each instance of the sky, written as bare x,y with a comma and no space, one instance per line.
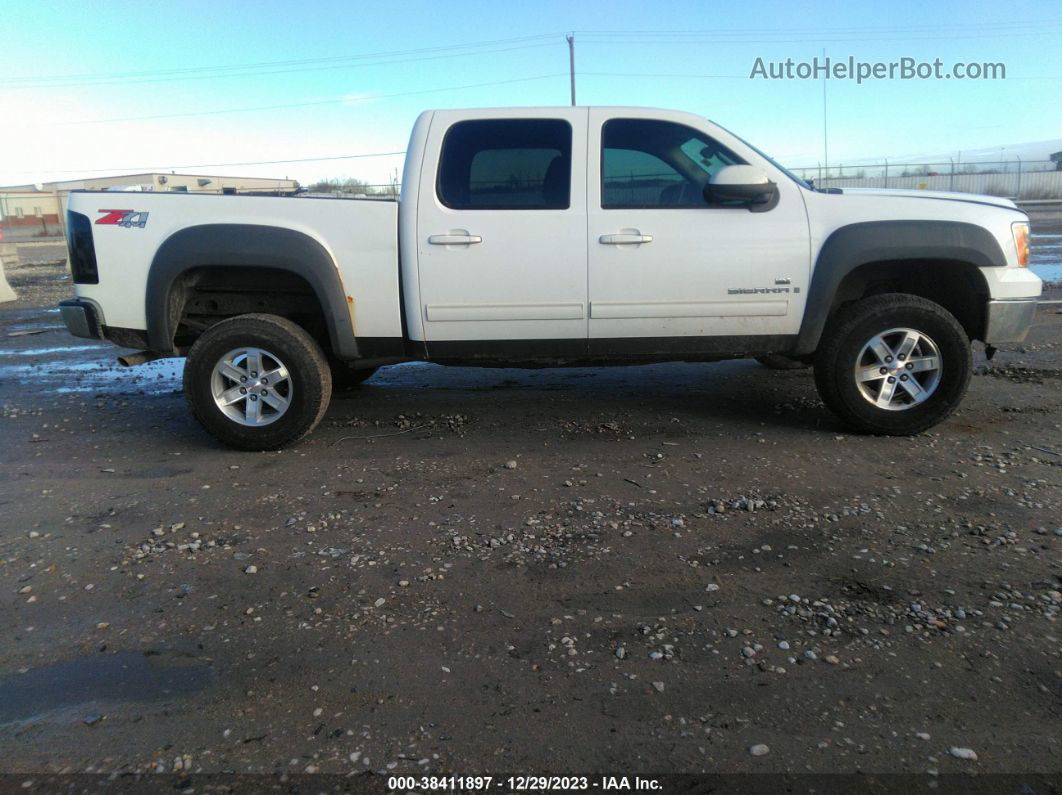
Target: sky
207,86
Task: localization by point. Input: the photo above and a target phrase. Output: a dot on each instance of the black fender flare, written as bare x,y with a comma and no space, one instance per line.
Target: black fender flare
245,245
858,244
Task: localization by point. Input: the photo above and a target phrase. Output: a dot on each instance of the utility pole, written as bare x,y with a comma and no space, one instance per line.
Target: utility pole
825,148
571,62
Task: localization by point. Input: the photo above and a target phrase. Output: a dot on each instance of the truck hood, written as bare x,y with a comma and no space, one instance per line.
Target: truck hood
969,198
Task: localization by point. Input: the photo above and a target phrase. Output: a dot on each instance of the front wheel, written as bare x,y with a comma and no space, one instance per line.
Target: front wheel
257,381
893,364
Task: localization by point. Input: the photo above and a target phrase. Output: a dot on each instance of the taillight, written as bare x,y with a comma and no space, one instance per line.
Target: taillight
81,249
1021,242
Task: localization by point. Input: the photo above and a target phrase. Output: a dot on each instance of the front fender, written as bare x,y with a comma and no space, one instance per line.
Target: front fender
858,244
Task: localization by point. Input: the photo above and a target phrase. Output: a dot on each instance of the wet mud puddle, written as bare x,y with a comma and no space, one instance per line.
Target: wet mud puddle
127,676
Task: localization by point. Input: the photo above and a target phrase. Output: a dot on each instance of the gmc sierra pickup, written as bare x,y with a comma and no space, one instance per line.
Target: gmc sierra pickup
555,236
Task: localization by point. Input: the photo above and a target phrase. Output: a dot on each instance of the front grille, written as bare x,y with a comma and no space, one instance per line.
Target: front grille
81,249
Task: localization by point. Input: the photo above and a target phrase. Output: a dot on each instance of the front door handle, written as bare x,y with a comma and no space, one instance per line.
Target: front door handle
454,239
625,239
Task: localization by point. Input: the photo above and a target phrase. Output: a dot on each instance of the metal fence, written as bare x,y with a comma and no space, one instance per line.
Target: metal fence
1015,179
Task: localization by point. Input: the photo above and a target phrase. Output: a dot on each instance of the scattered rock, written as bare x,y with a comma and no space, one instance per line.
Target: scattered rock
759,749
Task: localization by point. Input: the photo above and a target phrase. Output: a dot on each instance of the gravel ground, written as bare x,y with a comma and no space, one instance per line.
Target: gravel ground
681,567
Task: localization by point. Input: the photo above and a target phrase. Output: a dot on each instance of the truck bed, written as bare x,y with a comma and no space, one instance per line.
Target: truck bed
360,235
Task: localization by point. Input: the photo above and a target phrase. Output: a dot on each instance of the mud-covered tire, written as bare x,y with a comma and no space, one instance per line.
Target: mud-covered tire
852,374
776,361
345,377
225,353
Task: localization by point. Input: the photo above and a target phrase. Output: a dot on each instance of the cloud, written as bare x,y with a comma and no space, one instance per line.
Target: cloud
359,100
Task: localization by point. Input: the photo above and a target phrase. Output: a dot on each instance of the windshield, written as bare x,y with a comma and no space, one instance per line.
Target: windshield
768,158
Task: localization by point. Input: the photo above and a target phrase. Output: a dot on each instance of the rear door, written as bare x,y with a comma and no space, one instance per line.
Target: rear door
501,233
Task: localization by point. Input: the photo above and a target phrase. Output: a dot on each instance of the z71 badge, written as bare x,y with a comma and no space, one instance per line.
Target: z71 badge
126,218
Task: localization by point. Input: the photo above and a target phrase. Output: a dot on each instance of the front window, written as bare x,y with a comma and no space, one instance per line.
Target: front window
646,163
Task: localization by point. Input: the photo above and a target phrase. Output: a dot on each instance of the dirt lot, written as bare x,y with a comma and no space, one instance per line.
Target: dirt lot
641,569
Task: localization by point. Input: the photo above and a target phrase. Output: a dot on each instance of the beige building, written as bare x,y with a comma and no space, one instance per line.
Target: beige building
30,212
175,183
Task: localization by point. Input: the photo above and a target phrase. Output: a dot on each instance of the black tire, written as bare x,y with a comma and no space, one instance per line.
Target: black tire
305,391
777,361
843,348
345,377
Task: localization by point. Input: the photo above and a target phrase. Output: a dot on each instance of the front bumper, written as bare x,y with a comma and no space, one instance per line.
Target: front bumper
1009,320
81,319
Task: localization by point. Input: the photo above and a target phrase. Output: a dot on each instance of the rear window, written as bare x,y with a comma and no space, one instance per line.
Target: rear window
506,164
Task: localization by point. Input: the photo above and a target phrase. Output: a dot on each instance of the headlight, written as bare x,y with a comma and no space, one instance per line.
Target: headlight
1020,231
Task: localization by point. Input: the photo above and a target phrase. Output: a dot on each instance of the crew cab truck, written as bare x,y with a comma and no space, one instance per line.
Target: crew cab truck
555,236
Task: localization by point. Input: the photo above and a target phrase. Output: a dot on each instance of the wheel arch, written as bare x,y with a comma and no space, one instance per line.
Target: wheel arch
219,246
938,260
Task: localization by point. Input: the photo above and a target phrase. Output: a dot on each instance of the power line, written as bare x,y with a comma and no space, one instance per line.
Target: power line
288,62
997,28
661,74
736,35
186,78
746,77
313,103
805,40
818,34
145,169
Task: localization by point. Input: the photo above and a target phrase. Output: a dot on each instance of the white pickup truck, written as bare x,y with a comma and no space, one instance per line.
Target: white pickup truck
548,237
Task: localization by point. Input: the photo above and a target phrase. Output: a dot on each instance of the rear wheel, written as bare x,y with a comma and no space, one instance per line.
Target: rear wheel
893,364
257,382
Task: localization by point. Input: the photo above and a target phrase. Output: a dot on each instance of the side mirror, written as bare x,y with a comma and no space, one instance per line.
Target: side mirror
741,183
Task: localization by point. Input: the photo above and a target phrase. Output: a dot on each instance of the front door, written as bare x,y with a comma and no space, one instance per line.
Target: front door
671,272
501,233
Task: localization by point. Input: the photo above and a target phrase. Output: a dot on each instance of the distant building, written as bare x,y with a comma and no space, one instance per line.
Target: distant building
176,183
27,214
1056,158
29,211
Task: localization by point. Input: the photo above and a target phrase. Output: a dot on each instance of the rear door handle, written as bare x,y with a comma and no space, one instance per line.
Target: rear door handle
454,240
624,239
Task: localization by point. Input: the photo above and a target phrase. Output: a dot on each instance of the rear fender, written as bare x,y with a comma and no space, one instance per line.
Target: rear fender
244,245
